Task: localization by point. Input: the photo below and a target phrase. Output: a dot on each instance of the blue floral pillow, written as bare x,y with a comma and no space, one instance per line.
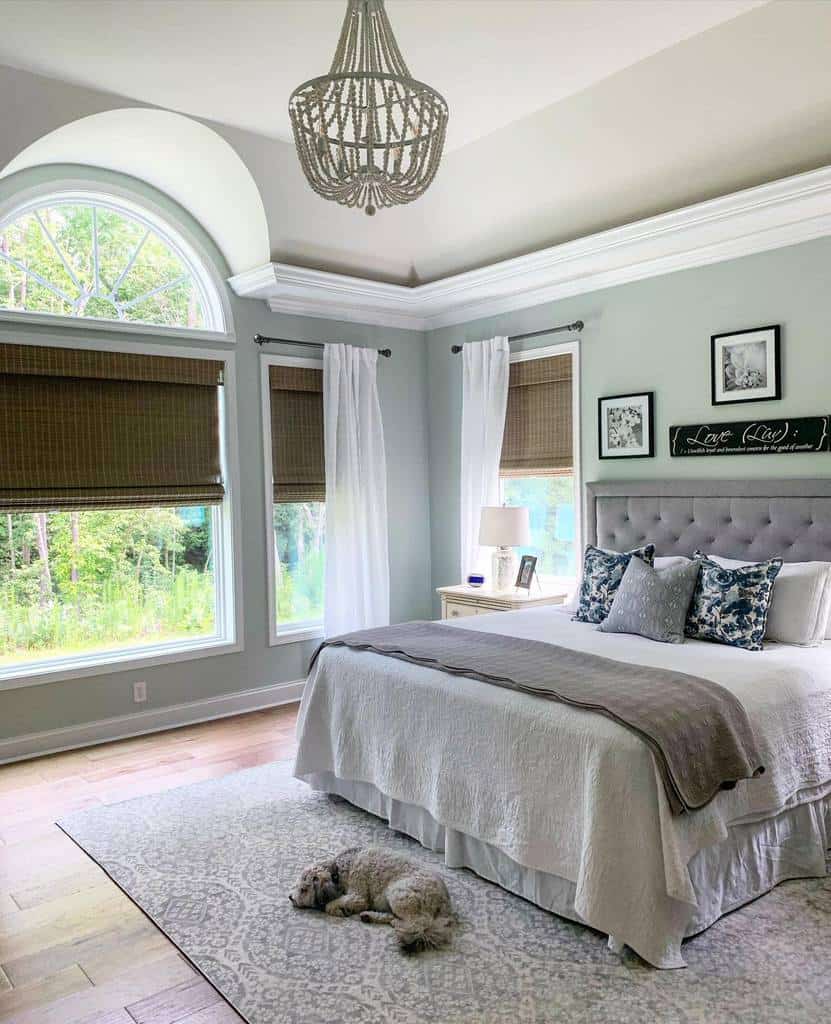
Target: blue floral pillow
730,606
602,573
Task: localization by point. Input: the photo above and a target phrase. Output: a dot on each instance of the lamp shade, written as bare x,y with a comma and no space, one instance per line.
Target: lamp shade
504,527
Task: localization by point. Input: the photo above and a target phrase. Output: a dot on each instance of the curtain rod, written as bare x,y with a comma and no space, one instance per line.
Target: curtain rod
262,339
578,325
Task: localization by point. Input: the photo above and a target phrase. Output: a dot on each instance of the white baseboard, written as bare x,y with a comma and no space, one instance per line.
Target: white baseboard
52,741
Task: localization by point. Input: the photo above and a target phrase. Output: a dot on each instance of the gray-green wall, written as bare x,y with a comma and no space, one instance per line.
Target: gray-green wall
654,335
402,387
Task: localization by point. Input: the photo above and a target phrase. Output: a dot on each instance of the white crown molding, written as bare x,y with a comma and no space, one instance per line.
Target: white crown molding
105,730
305,292
780,213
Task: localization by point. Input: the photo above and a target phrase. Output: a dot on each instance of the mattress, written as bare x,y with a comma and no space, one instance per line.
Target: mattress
562,792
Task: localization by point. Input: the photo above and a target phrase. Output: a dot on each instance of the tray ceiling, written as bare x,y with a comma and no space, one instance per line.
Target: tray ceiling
236,62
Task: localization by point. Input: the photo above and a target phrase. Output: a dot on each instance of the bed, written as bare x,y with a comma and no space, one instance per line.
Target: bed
564,807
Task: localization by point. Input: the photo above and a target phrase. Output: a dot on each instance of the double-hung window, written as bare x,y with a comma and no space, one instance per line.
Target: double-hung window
538,466
114,533
296,500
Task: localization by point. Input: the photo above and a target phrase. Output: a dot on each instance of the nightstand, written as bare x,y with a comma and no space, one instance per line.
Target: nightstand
460,601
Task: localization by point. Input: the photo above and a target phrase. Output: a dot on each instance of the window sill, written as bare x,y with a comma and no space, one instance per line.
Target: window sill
54,671
289,635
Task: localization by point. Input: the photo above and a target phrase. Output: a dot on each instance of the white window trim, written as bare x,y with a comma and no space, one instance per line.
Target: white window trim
123,200
228,568
297,632
571,348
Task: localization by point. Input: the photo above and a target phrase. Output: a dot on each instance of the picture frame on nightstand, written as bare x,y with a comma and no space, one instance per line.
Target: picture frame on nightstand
525,575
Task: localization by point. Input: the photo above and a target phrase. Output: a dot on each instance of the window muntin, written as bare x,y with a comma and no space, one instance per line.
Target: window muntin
106,582
81,256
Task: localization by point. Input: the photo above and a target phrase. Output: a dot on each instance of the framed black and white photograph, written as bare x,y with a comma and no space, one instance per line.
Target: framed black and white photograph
625,426
527,565
745,366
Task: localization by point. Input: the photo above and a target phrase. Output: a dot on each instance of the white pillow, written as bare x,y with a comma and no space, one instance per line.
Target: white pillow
665,561
801,601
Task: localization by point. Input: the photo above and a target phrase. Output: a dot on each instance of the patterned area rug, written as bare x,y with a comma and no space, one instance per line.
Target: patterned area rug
212,864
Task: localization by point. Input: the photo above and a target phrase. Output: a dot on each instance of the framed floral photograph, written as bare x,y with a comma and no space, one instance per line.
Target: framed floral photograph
625,426
744,366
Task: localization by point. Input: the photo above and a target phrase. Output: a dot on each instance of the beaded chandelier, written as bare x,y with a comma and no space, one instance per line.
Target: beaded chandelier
368,134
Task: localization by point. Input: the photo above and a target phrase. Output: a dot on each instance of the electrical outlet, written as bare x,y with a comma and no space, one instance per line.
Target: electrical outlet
139,692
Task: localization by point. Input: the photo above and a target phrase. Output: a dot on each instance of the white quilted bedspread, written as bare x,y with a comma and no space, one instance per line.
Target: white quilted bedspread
563,790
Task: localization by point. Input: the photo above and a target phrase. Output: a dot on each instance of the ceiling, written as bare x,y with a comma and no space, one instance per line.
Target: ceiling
236,61
569,118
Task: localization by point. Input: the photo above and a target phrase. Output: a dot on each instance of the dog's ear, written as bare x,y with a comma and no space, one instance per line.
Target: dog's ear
321,897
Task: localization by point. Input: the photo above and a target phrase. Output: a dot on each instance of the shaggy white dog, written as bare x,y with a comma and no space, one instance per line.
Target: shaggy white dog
384,888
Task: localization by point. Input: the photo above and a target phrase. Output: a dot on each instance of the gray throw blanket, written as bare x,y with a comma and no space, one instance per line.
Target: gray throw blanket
698,731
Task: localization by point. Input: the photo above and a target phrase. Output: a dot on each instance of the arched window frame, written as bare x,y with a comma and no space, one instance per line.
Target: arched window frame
206,263
198,262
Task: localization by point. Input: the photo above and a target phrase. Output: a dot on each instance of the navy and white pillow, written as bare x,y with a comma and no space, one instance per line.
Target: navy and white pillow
730,606
602,572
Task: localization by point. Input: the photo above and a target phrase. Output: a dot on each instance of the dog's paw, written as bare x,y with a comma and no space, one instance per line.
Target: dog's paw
337,911
366,917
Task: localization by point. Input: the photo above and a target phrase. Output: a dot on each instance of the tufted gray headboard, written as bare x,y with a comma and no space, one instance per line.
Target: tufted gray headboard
752,519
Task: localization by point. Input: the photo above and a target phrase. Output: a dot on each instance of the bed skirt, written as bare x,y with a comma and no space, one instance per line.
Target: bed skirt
750,862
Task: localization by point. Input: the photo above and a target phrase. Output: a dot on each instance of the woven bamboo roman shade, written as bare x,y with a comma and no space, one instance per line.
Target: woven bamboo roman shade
297,459
538,427
91,429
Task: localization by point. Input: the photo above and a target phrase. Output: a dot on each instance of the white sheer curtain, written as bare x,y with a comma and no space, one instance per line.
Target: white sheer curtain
484,401
357,592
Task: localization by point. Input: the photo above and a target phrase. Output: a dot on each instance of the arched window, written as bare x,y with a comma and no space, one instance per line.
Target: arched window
96,573
83,255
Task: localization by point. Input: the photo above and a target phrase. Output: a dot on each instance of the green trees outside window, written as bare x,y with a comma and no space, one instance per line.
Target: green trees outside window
300,549
87,260
75,582
550,501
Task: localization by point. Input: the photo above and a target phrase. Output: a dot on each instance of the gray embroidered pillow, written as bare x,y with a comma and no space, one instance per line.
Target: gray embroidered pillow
653,602
602,572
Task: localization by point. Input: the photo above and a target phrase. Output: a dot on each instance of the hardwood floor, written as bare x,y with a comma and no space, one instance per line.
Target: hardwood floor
73,948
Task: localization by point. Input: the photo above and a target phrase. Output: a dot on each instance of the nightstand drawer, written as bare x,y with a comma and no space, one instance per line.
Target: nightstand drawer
459,602
457,610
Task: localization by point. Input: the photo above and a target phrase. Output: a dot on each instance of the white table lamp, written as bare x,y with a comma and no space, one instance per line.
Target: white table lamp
504,528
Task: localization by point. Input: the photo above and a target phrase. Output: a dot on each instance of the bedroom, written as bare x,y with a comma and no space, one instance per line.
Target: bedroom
629,206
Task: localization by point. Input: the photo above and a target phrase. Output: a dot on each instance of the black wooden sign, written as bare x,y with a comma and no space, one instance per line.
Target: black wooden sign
752,437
